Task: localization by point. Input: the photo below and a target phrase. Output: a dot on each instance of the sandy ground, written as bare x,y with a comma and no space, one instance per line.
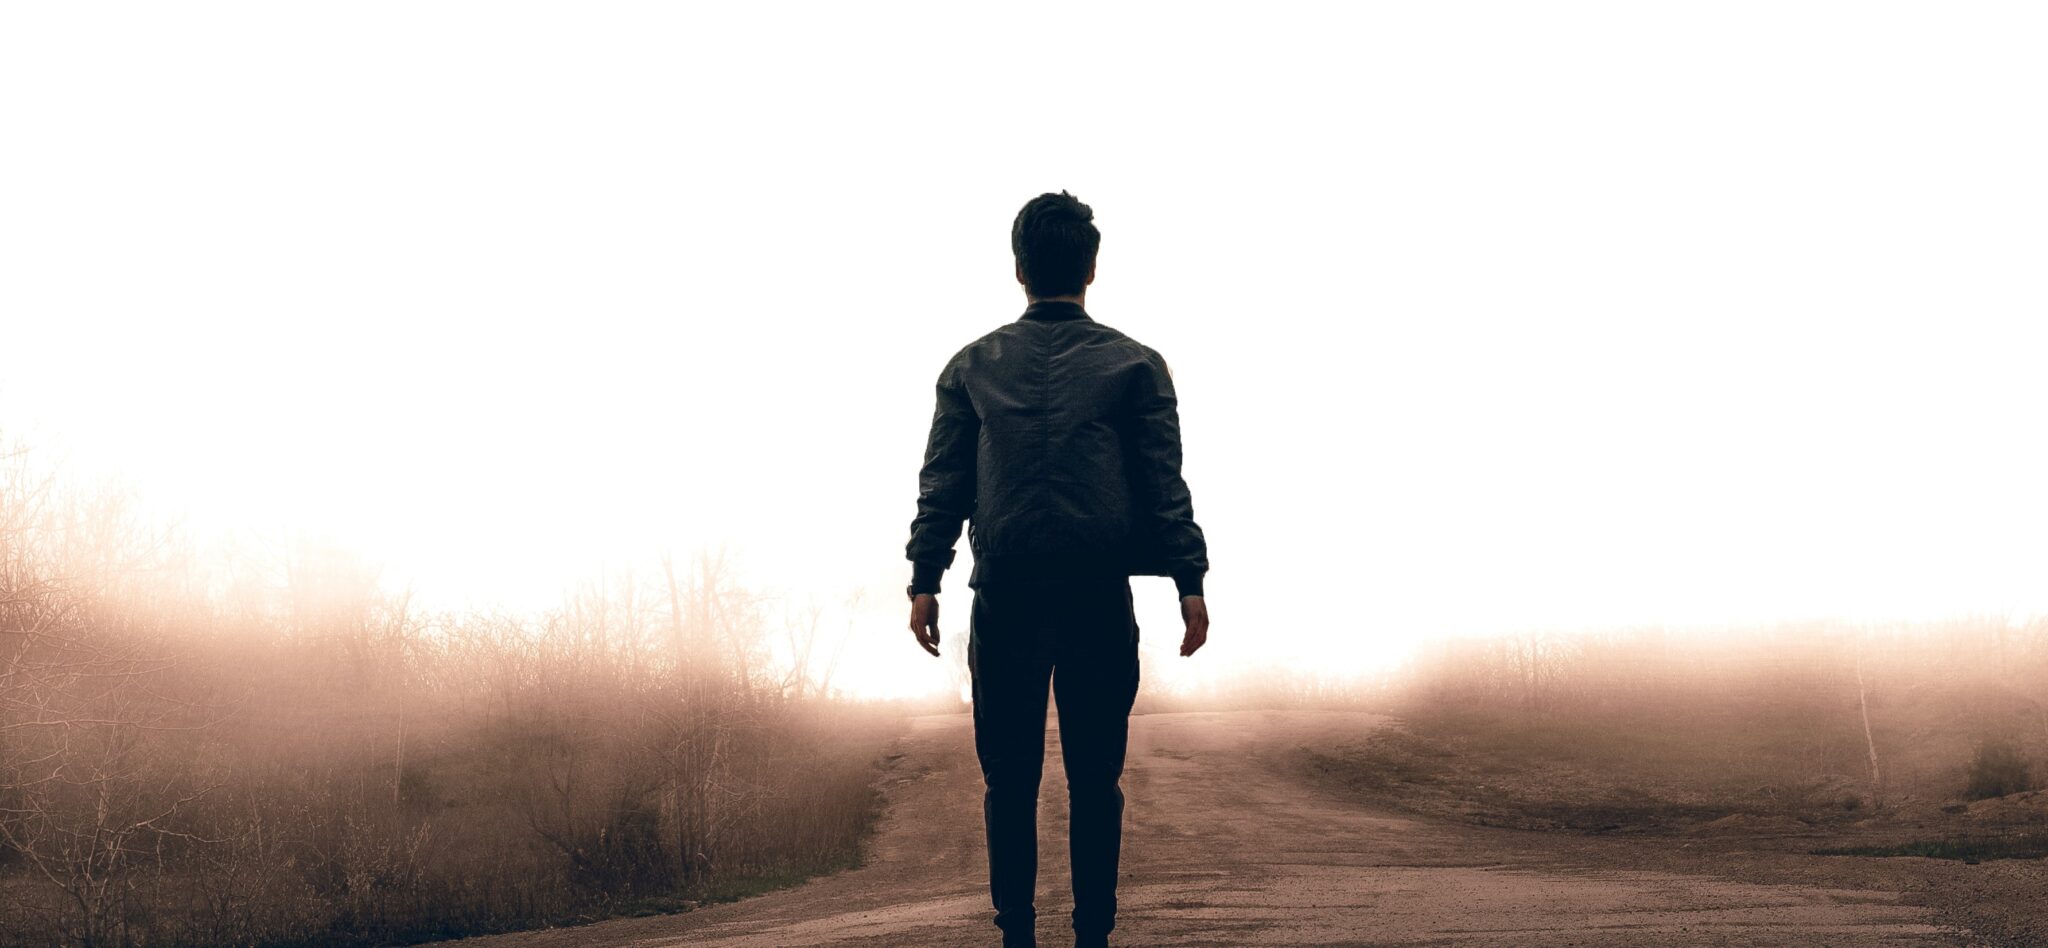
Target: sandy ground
1227,843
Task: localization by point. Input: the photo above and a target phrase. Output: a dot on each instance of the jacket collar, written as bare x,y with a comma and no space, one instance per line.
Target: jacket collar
1048,310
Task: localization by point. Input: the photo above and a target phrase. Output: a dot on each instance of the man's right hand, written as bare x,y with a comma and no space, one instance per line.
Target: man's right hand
1195,613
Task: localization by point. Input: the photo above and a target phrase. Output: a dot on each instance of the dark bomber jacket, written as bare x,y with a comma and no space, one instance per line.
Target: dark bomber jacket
1058,439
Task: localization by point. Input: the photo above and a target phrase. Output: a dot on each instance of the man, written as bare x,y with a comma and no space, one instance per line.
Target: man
1059,439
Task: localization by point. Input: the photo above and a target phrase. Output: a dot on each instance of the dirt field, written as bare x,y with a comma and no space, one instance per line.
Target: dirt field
1229,840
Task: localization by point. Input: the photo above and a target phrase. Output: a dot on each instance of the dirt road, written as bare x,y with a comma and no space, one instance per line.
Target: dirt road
1226,843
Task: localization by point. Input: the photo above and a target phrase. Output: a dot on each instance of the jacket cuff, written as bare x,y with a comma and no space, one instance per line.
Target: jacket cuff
924,577
1189,584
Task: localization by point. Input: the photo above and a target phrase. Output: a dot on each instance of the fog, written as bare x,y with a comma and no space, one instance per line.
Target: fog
1547,319
455,459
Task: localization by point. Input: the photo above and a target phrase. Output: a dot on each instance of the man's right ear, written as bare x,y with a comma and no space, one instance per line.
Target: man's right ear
1020,276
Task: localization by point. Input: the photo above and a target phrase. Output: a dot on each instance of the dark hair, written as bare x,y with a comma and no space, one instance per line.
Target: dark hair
1055,244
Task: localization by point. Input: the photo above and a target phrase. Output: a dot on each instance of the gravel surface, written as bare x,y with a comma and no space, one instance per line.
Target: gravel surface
1230,841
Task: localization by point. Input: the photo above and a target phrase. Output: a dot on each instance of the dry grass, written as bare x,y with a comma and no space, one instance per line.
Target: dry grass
1747,730
276,750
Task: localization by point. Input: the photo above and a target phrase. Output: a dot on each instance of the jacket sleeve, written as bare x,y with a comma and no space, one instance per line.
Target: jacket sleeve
946,483
1165,507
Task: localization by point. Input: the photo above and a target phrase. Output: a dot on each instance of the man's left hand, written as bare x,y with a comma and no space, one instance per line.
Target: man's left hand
924,621
1195,613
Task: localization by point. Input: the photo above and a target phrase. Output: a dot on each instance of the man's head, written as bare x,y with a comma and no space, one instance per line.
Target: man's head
1055,241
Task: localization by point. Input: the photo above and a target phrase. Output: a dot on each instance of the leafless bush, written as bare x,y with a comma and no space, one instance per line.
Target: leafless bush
1997,769
1888,708
280,749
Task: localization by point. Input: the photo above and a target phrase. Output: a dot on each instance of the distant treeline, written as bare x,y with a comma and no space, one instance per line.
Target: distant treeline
278,750
1902,713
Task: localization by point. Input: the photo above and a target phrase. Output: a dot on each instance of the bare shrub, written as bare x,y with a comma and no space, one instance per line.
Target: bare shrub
276,748
1815,721
1997,769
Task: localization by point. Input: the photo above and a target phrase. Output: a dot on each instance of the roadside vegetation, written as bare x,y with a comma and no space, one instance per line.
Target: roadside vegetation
275,749
1903,758
1783,730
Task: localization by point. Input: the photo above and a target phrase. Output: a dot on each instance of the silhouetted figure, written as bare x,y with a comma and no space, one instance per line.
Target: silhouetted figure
1059,439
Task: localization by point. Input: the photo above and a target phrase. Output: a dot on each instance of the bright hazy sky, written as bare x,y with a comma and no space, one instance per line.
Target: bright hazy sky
1484,317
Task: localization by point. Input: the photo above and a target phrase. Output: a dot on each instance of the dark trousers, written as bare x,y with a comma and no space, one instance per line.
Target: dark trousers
1082,637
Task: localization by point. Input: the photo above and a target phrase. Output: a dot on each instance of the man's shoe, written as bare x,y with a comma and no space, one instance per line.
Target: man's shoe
1021,941
1091,941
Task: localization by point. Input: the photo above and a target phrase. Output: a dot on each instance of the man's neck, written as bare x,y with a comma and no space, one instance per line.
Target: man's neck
1078,299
